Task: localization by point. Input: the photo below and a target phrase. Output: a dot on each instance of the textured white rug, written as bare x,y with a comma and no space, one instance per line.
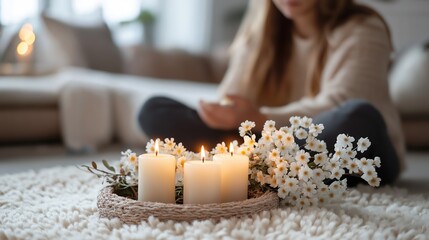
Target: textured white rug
60,203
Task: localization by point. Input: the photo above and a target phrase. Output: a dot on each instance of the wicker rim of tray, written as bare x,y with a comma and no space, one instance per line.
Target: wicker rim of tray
130,211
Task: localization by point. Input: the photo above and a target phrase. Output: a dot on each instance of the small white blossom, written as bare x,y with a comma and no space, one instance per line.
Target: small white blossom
300,133
266,137
150,146
244,150
377,162
132,158
374,182
282,192
286,130
250,141
279,138
169,144
316,129
335,187
274,155
348,154
293,149
281,169
303,202
309,189
331,164
306,122
321,146
337,173
311,143
322,188
245,127
295,121
320,159
260,177
344,141
318,175
364,164
369,173
363,144
289,139
269,126
180,162
353,166
345,162
305,173
291,184
273,181
294,169
302,157
221,148
126,153
179,150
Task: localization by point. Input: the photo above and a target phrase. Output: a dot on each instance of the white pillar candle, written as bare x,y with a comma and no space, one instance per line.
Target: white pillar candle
234,170
157,174
202,182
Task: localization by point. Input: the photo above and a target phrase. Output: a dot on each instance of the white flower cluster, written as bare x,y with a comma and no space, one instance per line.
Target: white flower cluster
292,161
128,165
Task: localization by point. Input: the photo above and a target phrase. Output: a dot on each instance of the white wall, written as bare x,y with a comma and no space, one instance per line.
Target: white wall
408,20
222,31
185,24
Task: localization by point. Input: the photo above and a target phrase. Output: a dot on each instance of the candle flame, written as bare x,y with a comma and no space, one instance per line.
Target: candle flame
203,153
231,149
156,147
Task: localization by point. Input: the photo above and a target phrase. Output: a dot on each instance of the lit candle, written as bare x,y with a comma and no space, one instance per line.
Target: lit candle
235,170
202,180
157,177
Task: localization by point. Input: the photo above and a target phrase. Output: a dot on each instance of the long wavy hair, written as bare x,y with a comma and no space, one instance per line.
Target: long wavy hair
271,35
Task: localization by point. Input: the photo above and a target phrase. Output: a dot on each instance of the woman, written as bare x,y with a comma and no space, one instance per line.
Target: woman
319,58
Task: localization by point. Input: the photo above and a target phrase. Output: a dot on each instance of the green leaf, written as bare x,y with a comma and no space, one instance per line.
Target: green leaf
106,164
94,165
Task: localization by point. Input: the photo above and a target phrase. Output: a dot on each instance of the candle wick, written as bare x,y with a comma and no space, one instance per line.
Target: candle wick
232,154
156,153
203,159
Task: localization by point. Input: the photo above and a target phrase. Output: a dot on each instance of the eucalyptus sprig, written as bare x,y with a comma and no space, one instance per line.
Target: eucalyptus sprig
118,180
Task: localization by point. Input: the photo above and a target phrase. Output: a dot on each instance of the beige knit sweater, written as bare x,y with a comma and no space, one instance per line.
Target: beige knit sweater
356,67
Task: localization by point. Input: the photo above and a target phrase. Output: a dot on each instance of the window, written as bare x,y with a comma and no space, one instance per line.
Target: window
16,11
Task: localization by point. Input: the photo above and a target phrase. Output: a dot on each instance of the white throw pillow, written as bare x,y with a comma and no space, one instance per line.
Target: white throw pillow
86,116
409,82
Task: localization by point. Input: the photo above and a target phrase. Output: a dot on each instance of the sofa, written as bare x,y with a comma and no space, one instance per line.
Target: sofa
95,89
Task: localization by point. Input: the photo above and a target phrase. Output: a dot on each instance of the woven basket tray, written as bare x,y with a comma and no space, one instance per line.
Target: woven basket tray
130,211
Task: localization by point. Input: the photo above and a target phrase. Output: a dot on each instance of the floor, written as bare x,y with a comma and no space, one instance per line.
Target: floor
22,158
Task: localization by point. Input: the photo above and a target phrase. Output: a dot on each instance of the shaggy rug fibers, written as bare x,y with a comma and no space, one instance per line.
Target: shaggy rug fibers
60,203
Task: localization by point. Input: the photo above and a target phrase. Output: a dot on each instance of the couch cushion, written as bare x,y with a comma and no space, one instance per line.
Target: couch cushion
168,64
87,45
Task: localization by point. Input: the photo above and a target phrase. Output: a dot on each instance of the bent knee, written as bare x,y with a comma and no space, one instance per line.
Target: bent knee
359,108
147,115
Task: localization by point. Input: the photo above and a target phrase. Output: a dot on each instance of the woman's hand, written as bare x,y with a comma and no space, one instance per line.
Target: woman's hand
229,117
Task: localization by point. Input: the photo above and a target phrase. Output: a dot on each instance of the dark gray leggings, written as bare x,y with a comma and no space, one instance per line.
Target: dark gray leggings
162,117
